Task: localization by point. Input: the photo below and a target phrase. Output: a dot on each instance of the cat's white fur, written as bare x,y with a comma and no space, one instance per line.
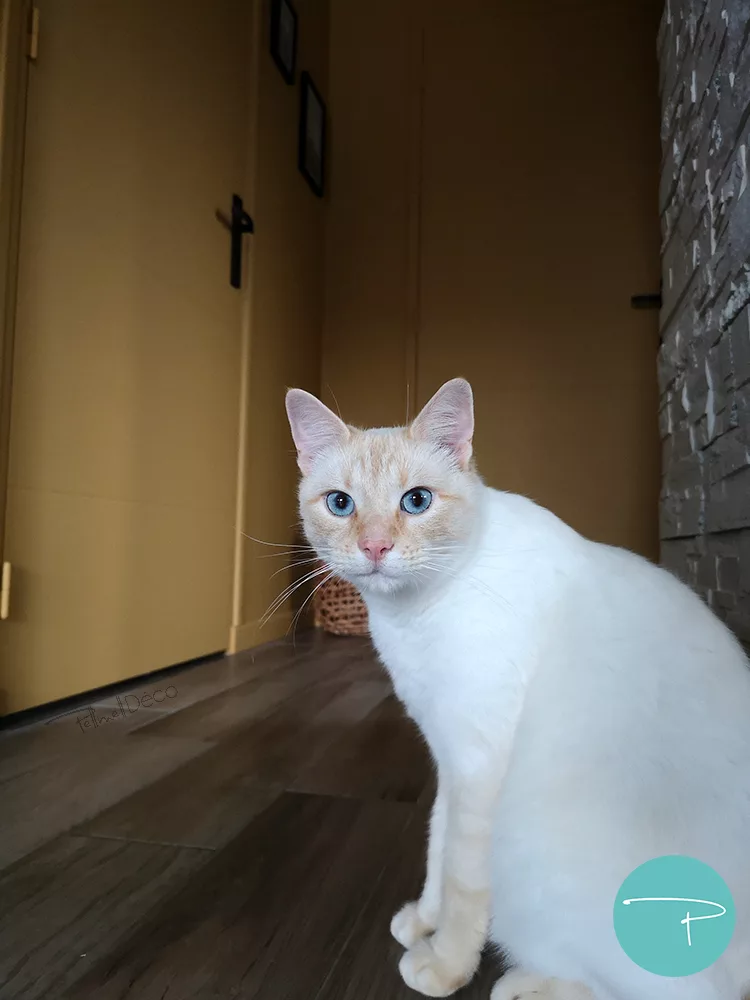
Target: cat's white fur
586,712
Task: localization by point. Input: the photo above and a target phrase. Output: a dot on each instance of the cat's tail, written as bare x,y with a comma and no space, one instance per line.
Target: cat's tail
520,985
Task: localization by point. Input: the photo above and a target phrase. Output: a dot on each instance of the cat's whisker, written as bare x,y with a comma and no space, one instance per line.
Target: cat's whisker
280,555
277,607
294,565
291,552
422,578
288,591
276,545
309,597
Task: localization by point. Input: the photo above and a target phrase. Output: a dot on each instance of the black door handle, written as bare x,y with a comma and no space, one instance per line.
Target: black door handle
241,224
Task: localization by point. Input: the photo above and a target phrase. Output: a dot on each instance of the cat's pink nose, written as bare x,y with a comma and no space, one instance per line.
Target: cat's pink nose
375,548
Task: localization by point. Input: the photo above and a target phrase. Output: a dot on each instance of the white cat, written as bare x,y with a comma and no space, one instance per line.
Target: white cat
586,711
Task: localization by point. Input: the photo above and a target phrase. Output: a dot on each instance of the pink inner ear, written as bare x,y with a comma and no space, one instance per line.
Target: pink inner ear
448,419
314,427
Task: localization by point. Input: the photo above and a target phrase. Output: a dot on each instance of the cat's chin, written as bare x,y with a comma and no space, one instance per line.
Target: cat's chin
377,583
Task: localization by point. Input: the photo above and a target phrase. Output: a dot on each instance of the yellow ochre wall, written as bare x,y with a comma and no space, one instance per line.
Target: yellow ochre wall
493,207
367,356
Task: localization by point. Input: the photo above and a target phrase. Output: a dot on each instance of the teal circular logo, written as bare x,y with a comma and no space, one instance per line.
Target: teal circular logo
674,916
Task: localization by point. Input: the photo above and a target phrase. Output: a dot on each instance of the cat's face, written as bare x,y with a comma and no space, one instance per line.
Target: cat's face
387,508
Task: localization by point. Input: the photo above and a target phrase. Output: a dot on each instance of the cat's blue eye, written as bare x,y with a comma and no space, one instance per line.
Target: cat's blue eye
416,501
340,504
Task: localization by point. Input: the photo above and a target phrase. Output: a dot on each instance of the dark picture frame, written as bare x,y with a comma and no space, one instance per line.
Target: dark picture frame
284,38
312,135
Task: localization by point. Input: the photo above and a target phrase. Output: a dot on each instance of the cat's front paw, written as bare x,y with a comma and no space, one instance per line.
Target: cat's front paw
408,926
430,969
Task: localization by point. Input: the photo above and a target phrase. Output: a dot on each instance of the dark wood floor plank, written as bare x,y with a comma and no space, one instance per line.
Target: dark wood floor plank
26,750
251,841
200,689
220,714
195,682
207,805
268,915
67,905
59,776
175,812
275,749
43,742
386,758
367,968
86,776
272,748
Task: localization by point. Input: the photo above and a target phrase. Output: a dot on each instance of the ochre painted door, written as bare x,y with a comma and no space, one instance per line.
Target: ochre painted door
123,446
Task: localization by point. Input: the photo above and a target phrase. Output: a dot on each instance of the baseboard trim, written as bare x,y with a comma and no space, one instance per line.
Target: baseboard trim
251,634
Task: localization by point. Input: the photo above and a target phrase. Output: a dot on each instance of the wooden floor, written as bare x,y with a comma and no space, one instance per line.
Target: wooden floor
241,828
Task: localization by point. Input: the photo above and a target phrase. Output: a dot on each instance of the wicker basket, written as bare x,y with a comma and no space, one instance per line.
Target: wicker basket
339,609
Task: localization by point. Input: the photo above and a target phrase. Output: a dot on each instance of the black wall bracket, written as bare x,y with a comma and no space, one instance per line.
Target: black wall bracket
646,301
652,301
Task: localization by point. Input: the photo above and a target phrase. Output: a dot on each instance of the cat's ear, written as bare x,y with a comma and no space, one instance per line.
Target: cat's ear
448,420
314,427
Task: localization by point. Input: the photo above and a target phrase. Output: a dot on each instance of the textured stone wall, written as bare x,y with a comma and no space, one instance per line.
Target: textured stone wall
704,360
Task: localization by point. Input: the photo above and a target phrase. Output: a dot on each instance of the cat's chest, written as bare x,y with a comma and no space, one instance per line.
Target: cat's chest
460,667
425,665
408,664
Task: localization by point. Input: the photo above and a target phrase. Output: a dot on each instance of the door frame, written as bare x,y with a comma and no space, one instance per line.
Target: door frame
237,626
15,27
